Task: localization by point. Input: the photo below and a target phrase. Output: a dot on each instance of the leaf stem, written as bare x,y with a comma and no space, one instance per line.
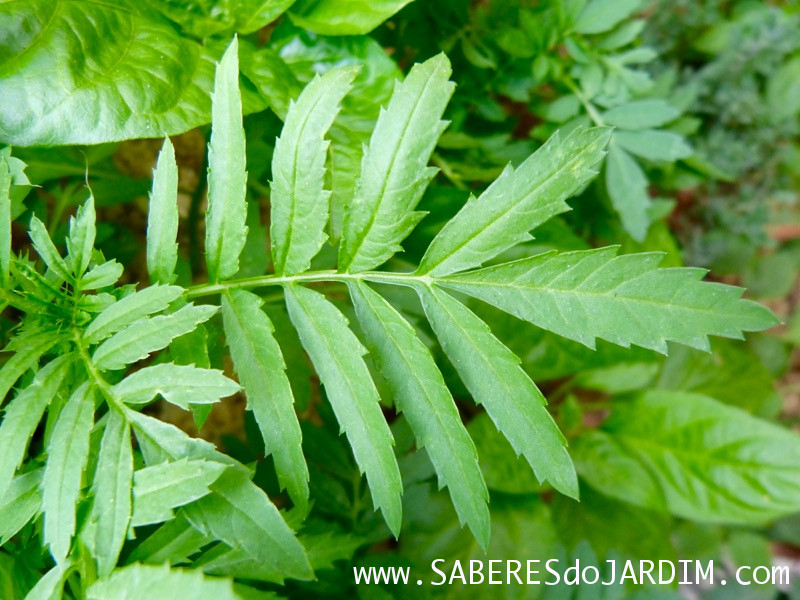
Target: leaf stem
408,279
94,374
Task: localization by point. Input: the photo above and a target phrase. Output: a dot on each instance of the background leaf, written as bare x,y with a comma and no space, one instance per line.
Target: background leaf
352,17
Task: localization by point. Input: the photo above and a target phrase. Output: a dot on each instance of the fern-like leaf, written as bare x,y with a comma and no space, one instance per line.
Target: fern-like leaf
299,202
394,174
623,299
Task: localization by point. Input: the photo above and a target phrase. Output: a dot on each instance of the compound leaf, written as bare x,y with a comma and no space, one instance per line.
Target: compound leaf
181,385
67,454
493,376
299,202
111,508
624,299
338,358
148,335
261,369
394,174
420,393
162,218
226,231
516,202
160,581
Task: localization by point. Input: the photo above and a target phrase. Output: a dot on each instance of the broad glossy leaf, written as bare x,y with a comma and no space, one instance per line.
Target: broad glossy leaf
641,114
160,488
627,187
181,385
603,15
241,515
80,241
203,18
653,144
130,309
226,231
493,376
624,299
5,220
83,72
22,416
420,393
148,335
67,454
162,218
259,363
344,17
160,581
299,200
21,502
111,508
711,462
394,171
338,358
46,249
516,202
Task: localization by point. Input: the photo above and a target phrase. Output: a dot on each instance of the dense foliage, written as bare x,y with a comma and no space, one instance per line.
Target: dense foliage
440,293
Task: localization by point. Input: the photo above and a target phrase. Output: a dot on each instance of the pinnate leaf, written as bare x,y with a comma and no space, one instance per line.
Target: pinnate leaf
493,376
624,299
394,171
148,335
261,369
226,231
338,358
519,200
67,454
162,218
420,393
299,202
181,385
111,508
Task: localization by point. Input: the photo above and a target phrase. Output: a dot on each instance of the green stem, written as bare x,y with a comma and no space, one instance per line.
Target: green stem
94,374
590,108
407,279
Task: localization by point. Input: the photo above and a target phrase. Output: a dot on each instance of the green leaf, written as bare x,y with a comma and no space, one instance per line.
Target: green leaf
262,371
351,17
226,231
174,542
23,413
47,250
5,221
111,508
84,72
420,393
299,202
21,502
653,144
162,218
160,488
627,187
80,241
26,351
241,515
67,454
516,202
252,15
338,358
130,309
160,581
624,299
394,171
641,114
161,442
49,587
147,335
603,15
103,275
181,385
783,91
493,376
711,462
